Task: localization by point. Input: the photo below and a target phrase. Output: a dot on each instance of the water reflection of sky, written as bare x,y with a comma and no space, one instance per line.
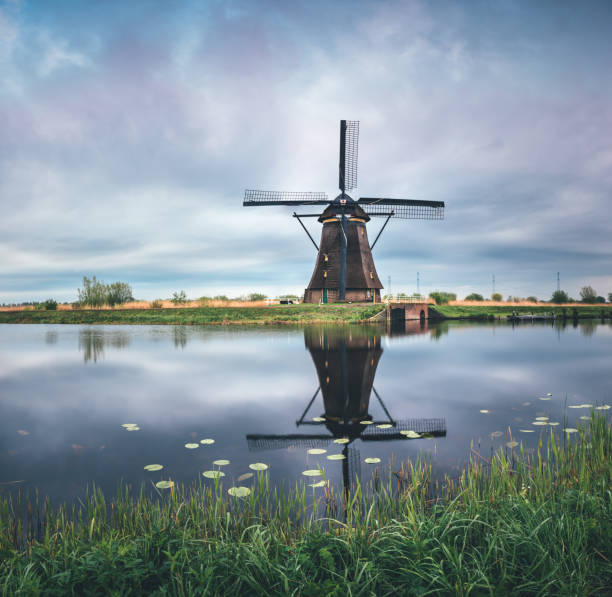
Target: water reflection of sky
66,390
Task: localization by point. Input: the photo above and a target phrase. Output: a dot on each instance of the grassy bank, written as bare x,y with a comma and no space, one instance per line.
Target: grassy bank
514,524
273,314
484,312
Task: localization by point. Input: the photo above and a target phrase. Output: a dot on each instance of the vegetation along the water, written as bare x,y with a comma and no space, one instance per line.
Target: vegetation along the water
511,523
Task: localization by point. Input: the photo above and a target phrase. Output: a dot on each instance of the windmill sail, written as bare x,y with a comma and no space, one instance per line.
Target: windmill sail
253,197
349,150
405,209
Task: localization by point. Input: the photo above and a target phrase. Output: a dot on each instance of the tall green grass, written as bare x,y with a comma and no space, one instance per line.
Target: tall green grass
511,524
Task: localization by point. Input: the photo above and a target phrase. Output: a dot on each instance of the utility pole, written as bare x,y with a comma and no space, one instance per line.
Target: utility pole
558,282
418,284
389,287
493,284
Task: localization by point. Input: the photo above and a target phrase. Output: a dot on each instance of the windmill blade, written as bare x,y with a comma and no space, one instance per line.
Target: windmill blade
406,209
349,150
252,197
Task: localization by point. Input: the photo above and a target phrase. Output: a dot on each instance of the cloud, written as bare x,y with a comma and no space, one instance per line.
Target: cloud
130,133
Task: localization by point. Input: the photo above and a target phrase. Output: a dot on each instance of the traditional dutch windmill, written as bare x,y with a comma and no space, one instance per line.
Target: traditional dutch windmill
344,269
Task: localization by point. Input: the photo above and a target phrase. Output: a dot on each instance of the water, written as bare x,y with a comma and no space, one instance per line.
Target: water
66,390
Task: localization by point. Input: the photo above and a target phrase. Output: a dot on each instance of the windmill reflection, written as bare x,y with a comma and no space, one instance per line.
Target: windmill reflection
346,360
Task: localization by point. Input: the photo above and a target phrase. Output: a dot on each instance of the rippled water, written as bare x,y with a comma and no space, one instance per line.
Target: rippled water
65,392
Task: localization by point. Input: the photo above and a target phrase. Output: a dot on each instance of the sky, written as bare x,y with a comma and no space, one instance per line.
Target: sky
130,130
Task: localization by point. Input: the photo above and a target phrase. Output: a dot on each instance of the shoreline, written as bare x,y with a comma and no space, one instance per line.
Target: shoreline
303,314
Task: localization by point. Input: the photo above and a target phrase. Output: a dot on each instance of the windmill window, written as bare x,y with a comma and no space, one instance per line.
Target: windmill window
325,257
372,275
362,230
325,274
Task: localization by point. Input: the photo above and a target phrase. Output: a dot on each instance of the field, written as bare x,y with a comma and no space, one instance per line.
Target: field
511,523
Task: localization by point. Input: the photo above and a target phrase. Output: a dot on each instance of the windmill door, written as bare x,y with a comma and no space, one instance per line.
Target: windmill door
325,295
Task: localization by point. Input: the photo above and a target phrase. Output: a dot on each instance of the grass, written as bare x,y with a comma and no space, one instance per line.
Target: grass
273,314
493,311
513,524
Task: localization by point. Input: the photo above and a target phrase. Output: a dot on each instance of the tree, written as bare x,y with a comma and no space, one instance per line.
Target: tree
257,296
532,299
610,297
442,298
496,296
118,293
50,305
588,294
93,293
474,297
559,297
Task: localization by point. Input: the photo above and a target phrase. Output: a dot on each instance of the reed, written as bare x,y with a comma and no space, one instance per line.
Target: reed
511,524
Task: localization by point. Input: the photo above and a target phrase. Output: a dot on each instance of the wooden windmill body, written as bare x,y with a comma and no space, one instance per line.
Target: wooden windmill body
344,269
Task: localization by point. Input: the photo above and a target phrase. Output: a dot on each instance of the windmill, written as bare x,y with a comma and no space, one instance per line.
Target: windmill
345,269
346,366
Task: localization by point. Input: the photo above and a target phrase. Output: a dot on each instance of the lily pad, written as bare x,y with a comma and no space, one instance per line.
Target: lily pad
316,451
410,433
602,407
318,419
192,446
539,423
154,467
239,491
512,444
341,440
132,428
336,457
570,430
319,484
245,476
365,422
585,418
221,462
541,418
484,411
312,473
258,466
372,460
126,425
549,394
526,430
207,441
544,397
213,474
553,423
496,434
164,484
384,426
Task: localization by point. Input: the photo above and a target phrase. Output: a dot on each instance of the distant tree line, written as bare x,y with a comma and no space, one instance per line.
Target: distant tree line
96,293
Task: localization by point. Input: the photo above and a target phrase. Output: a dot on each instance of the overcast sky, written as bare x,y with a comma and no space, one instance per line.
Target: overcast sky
129,131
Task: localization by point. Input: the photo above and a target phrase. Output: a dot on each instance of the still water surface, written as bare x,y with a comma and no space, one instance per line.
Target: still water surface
65,392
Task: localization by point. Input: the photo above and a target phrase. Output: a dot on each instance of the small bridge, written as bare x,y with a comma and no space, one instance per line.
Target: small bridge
406,310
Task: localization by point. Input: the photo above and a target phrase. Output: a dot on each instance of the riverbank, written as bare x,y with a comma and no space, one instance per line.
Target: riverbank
492,312
333,313
260,315
511,524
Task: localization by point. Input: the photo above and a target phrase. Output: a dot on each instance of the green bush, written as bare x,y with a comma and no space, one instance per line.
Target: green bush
496,296
442,298
532,299
588,294
179,298
50,305
474,297
559,297
257,296
156,304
